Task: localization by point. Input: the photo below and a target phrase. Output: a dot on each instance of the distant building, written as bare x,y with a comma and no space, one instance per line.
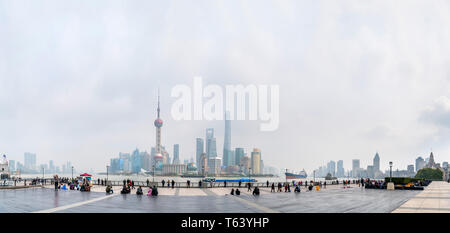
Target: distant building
238,154
4,167
410,169
420,163
176,154
228,159
245,164
12,165
200,149
203,168
174,169
370,171
214,165
376,163
355,168
30,161
136,161
431,163
210,143
340,169
331,168
256,162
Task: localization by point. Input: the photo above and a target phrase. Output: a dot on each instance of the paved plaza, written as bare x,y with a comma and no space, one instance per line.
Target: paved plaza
434,199
333,199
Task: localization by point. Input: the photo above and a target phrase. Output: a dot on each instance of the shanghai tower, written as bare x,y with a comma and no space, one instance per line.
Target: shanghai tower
227,153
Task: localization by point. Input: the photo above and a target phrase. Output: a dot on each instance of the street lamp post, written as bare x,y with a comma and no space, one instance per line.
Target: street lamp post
314,177
43,174
72,174
285,175
390,171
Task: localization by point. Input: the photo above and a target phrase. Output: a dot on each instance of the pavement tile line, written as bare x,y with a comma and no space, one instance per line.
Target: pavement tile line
259,207
75,204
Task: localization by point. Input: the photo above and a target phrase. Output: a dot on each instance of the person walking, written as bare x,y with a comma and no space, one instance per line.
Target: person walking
273,188
148,182
267,183
173,183
163,182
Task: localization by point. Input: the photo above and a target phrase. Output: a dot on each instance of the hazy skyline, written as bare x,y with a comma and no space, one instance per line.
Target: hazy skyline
79,79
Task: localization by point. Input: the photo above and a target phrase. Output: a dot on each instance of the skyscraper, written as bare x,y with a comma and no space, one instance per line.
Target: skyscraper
420,163
210,143
30,160
376,163
200,149
331,168
340,169
158,125
355,168
256,161
239,153
227,154
176,154
136,162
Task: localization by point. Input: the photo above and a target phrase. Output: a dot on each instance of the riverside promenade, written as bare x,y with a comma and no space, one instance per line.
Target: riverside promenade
332,199
434,199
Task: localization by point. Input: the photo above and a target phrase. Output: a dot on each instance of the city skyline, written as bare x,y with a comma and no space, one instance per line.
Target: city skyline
354,78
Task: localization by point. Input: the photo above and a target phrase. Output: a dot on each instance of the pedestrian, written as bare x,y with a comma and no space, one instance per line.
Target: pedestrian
163,182
267,183
148,182
238,192
173,183
273,188
232,192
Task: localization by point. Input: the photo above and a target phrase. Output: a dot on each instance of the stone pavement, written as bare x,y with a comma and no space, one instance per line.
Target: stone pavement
334,199
434,199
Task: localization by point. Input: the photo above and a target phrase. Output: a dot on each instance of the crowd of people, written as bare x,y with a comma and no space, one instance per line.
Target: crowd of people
65,183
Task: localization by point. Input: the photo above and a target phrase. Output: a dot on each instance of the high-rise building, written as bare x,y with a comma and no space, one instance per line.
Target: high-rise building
210,143
30,160
376,163
245,164
203,167
12,165
214,165
238,154
136,161
331,168
200,149
340,169
227,153
410,169
431,163
176,154
355,168
256,162
420,163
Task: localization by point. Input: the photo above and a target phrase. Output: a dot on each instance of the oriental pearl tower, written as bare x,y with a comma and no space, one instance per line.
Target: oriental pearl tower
158,125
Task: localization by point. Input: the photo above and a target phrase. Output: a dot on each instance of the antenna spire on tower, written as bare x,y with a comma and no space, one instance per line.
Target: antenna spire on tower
158,102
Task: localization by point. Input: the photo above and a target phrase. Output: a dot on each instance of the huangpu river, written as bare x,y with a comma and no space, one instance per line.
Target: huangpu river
142,177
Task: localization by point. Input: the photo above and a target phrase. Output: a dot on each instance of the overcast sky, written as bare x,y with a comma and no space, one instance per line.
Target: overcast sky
79,79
